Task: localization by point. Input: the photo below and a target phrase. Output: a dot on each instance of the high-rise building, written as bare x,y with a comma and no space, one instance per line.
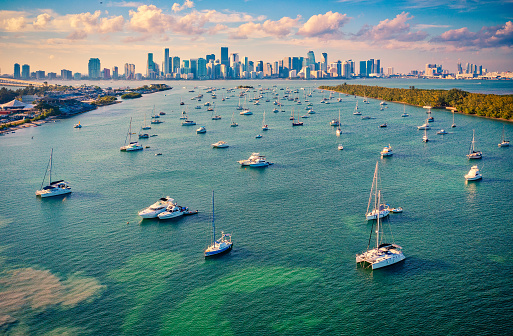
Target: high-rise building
194,67
17,71
202,68
176,64
210,57
166,61
40,74
151,67
129,71
66,74
234,58
52,75
115,72
324,62
363,69
260,66
94,68
310,58
224,56
25,71
390,71
370,67
378,67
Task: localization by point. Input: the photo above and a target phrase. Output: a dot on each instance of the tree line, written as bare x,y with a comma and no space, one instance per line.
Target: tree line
488,105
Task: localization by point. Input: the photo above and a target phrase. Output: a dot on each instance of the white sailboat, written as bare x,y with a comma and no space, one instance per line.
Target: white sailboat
404,112
145,126
356,111
473,154
221,245
339,130
384,254
504,142
54,188
132,145
379,210
233,124
265,127
453,124
425,137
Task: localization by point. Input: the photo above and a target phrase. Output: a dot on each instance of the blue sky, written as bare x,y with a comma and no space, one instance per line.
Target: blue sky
53,35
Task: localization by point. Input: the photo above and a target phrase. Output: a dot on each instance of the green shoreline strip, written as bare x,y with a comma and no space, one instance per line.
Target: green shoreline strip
486,105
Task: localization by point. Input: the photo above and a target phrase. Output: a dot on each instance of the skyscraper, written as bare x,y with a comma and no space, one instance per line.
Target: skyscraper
224,56
94,68
129,71
25,71
378,67
310,58
370,67
17,71
210,57
324,62
166,61
115,72
202,68
363,68
150,67
176,64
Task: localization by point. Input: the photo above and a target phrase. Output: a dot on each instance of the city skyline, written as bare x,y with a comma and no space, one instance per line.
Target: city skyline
53,35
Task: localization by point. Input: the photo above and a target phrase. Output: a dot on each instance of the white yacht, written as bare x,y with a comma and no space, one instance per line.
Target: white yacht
188,122
156,208
220,144
255,160
132,145
425,137
379,210
404,112
387,151
473,174
221,245
173,211
356,111
340,147
201,130
55,188
246,112
473,154
442,131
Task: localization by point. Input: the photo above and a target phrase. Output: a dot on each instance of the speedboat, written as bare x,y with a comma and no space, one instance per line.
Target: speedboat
473,174
383,125
442,131
387,151
335,122
173,211
156,208
220,144
255,160
246,112
340,147
258,136
396,210
77,125
424,126
201,130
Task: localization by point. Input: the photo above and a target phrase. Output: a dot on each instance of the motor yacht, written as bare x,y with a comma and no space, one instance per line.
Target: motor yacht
156,208
255,160
173,211
201,130
442,131
188,123
473,174
387,151
220,144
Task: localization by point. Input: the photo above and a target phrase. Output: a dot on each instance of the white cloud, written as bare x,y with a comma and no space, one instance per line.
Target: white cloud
280,28
396,29
500,36
177,8
324,25
149,19
42,21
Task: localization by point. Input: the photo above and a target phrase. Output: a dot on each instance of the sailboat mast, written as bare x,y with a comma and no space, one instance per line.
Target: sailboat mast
51,164
213,224
377,225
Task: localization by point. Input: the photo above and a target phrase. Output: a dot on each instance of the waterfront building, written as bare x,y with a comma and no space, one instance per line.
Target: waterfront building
166,61
66,74
370,67
151,67
377,69
346,70
390,71
210,57
115,72
363,69
51,75
105,73
129,71
324,62
176,64
17,71
202,68
40,74
310,58
25,71
76,76
94,68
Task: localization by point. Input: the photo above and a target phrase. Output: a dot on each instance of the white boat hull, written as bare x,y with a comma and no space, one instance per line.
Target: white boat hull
170,214
374,214
54,192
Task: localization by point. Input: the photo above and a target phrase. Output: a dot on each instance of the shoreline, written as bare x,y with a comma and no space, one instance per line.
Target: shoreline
447,108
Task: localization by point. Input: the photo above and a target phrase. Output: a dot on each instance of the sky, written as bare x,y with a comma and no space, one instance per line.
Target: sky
52,35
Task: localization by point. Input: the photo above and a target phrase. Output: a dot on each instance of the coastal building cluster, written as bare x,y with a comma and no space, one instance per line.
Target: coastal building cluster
233,66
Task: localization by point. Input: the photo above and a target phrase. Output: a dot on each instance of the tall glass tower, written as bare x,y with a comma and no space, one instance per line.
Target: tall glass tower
17,71
224,56
94,68
166,61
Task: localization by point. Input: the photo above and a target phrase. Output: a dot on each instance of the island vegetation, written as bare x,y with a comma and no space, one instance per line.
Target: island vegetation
105,100
131,95
487,105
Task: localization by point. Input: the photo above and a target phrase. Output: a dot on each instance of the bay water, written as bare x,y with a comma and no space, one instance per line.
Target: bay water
87,264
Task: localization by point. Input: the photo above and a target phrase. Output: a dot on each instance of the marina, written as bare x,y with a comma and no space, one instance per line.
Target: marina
153,273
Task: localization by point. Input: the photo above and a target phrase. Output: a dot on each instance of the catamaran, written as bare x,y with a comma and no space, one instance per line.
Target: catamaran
384,254
132,145
504,142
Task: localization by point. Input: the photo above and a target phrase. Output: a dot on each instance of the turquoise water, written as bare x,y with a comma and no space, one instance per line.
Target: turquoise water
86,264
